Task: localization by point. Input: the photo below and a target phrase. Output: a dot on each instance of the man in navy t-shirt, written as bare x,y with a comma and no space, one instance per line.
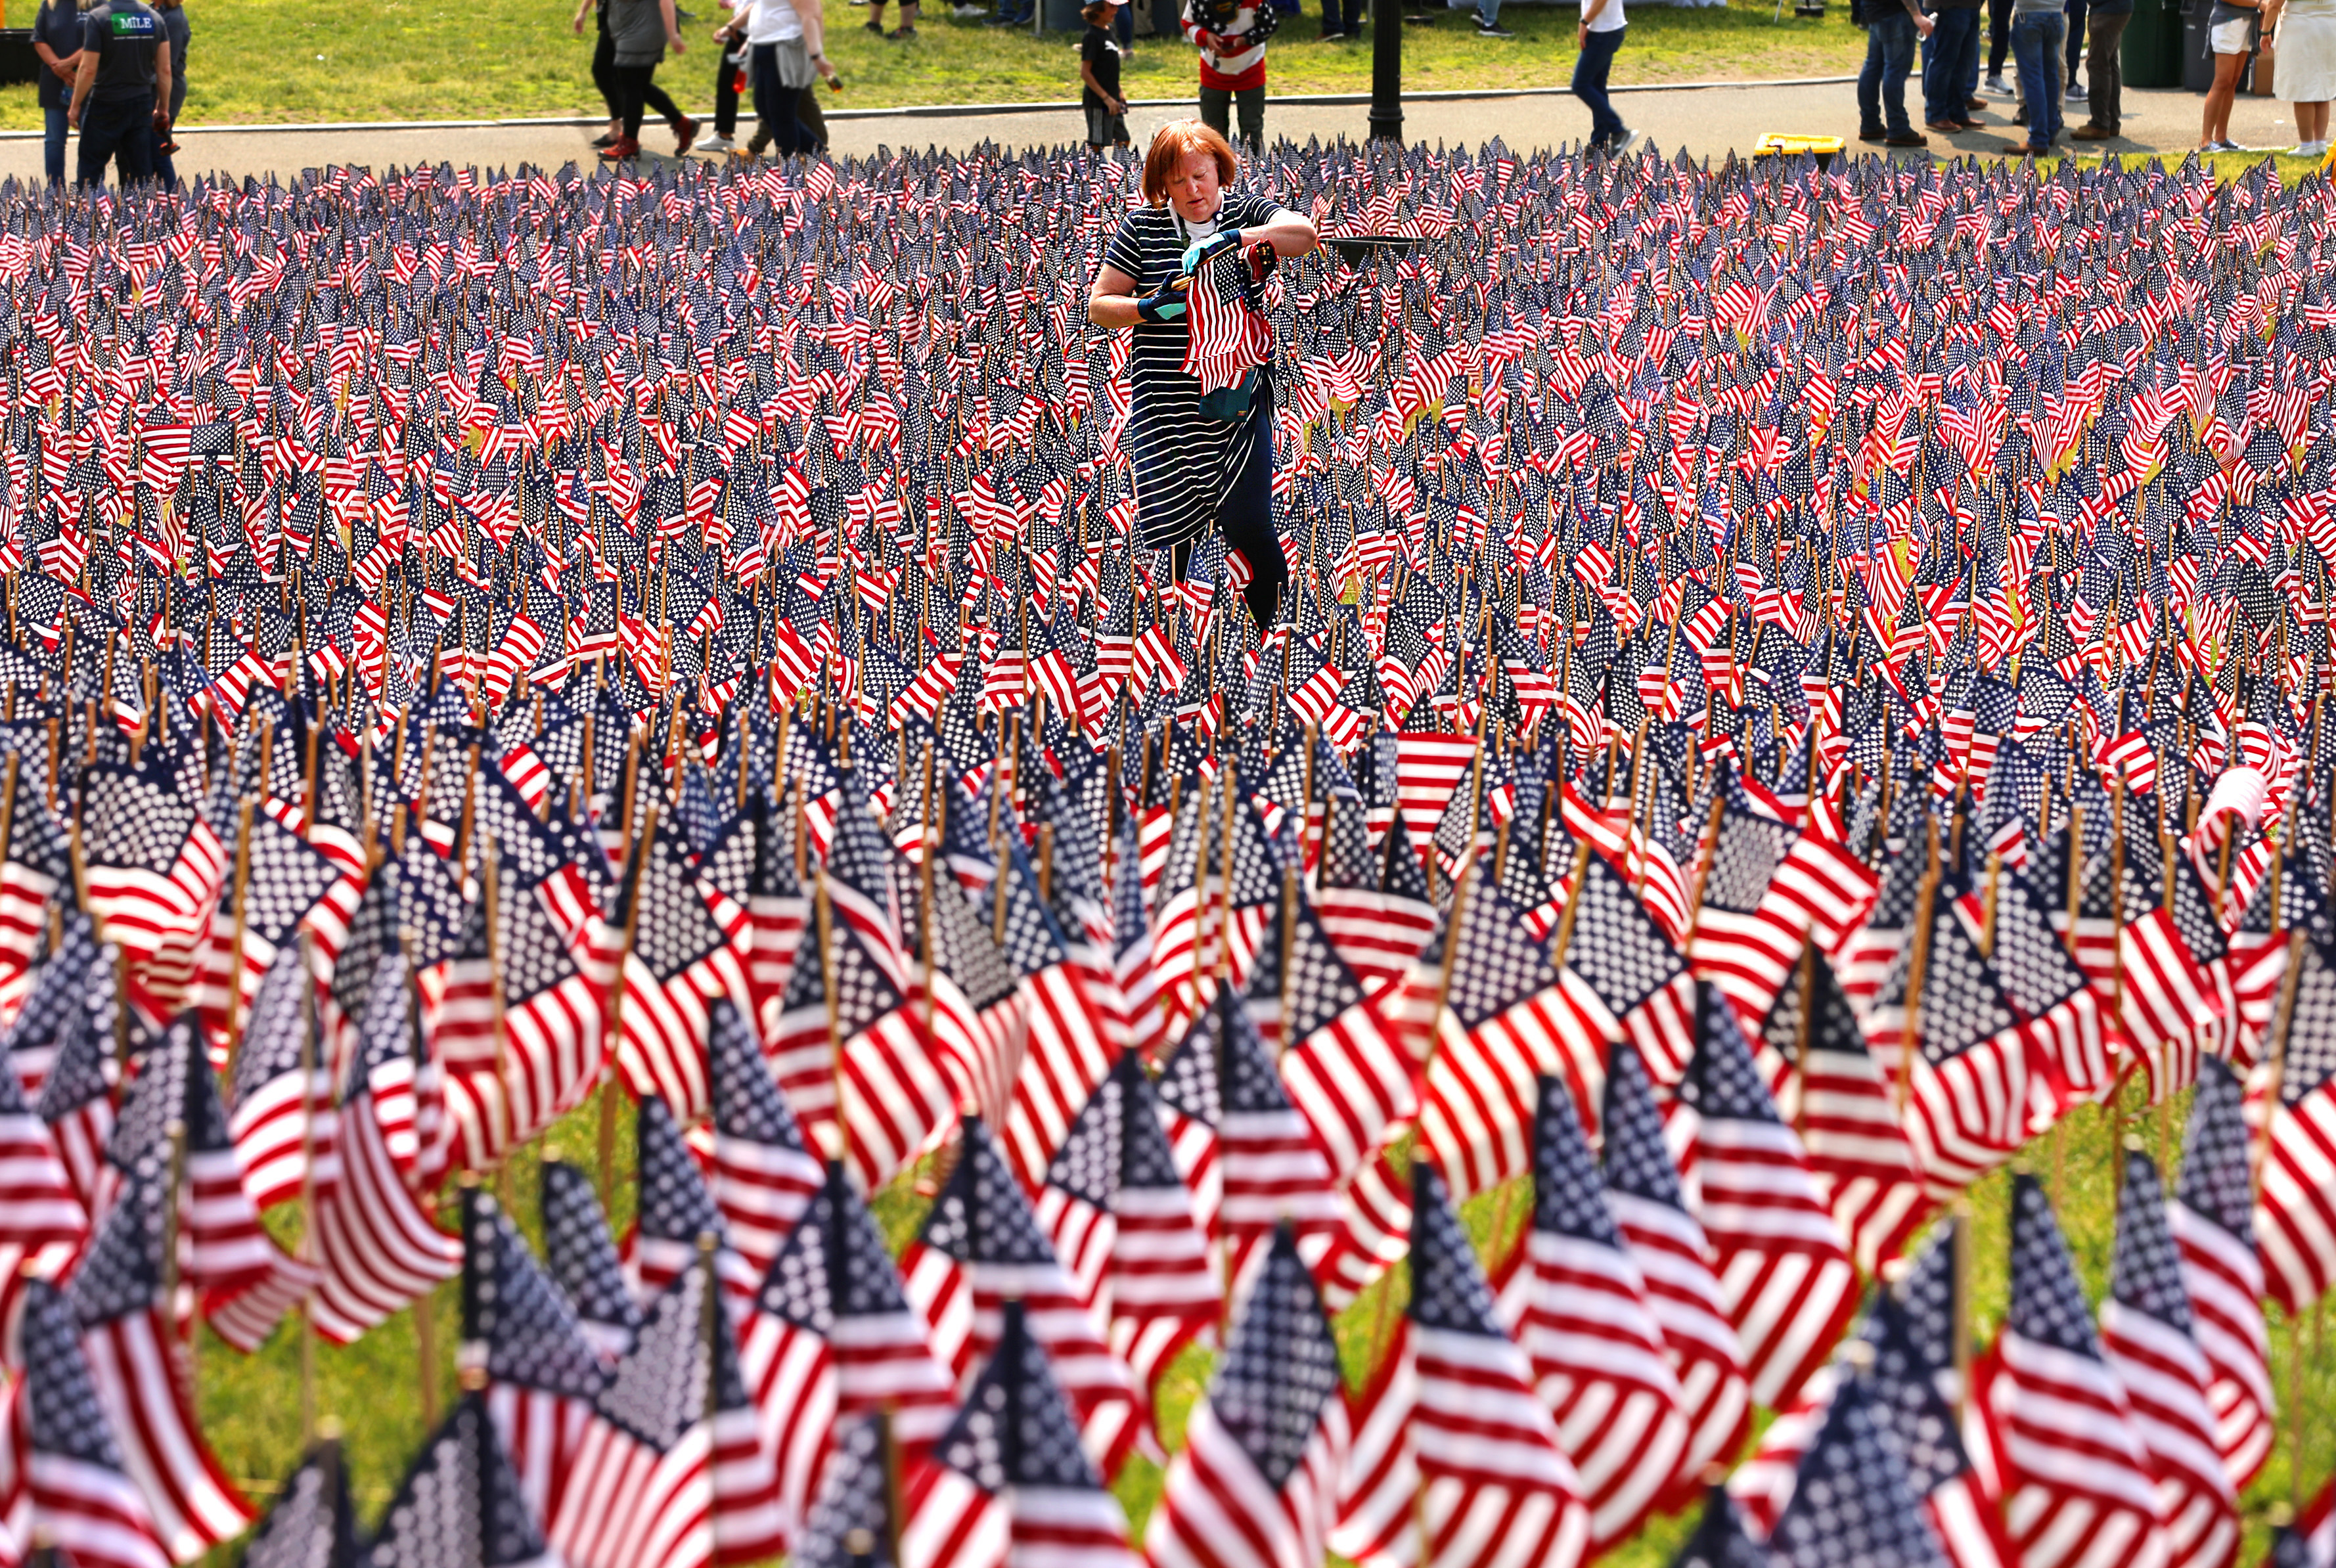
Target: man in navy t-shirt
121,91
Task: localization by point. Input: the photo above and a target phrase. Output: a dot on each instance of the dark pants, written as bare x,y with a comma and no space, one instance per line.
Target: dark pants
2105,72
1589,72
811,124
725,90
637,91
2076,14
1245,517
122,130
2037,37
52,142
1217,105
776,105
1341,16
603,71
1881,85
1949,55
1998,35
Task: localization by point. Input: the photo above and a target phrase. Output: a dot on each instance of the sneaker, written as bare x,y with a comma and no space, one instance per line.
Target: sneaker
717,142
1996,87
606,139
967,12
2075,93
2224,145
682,135
902,35
622,148
1629,141
1492,30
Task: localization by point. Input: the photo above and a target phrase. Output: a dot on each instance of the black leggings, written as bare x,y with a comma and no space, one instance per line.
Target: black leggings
1245,517
1998,35
637,89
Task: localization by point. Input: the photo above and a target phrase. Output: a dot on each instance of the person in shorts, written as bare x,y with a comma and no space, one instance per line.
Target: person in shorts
2230,35
1099,71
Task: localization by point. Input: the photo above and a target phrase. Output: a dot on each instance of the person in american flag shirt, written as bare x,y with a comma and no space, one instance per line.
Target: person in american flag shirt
1196,471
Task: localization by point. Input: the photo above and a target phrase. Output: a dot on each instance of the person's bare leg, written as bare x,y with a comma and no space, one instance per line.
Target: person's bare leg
2219,97
2318,131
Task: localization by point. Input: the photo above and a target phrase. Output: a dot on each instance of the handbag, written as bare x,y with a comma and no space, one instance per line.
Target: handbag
1230,401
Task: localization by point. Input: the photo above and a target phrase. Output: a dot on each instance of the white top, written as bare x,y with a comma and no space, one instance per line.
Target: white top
1608,20
772,22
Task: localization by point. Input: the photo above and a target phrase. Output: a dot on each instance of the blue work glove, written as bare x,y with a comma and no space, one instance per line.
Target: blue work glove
1161,306
1203,251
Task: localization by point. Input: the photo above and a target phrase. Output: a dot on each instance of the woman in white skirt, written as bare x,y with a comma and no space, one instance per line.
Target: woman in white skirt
2302,36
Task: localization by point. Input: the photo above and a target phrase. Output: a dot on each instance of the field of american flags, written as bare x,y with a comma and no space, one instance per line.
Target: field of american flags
535,729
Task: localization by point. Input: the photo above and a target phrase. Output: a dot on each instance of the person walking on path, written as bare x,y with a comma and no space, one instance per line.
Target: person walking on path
1231,35
119,86
1950,66
731,56
2304,32
2105,72
1106,111
56,41
1201,466
1891,27
639,32
2038,32
1598,36
2230,35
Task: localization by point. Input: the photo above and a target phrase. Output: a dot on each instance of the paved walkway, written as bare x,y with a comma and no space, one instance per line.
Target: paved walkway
1707,122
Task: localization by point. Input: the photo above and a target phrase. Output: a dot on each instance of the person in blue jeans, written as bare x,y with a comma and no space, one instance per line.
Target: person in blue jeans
56,39
1882,86
1598,36
2040,32
1950,66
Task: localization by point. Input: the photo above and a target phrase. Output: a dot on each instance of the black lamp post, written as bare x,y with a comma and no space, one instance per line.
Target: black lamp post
1386,70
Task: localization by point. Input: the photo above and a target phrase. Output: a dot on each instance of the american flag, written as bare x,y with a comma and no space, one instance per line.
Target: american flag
542,1374
1256,1484
583,1261
313,1522
980,1245
1122,1223
1677,1262
63,1474
2212,1222
1011,1479
133,1350
1787,1281
1578,1304
1854,1504
680,956
459,1505
2054,1434
375,1242
1829,1087
1229,337
831,1336
763,1176
284,1120
2293,1225
2147,1337
1455,1460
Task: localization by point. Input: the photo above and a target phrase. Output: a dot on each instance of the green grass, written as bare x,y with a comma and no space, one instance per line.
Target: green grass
250,1406
305,61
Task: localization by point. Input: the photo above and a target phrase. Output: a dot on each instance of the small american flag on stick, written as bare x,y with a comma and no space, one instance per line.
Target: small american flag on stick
1229,335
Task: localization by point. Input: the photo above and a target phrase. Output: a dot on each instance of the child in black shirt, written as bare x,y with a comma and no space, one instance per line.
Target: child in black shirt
1099,70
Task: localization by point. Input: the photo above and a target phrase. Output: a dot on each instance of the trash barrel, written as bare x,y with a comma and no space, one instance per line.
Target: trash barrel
18,64
2197,53
2142,52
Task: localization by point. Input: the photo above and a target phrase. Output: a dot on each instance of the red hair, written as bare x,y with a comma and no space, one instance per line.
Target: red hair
1170,145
